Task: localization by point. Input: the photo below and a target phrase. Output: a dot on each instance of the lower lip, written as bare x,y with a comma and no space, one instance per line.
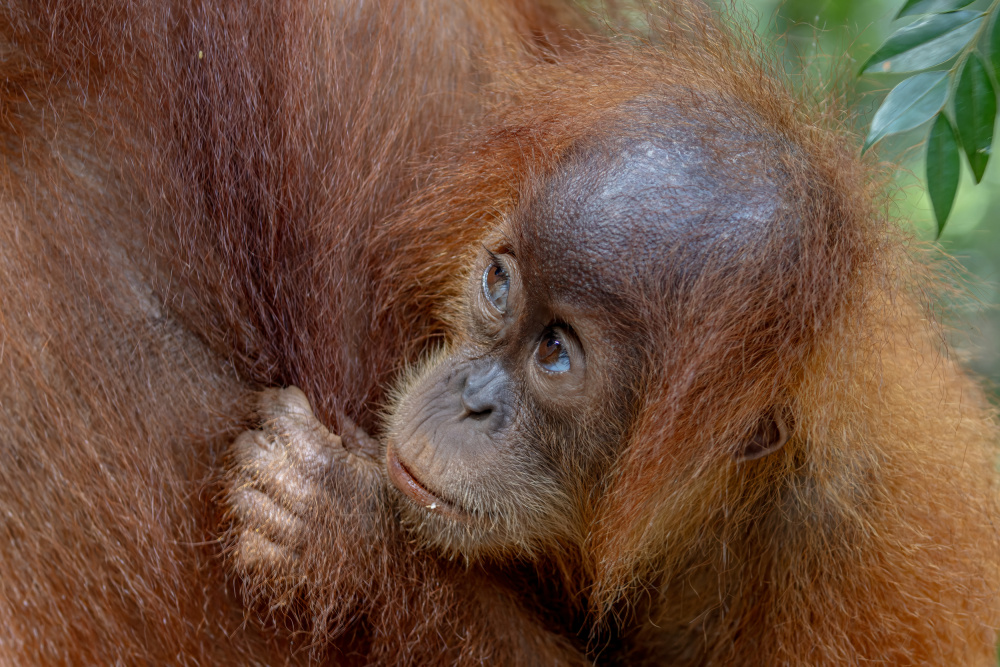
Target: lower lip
414,490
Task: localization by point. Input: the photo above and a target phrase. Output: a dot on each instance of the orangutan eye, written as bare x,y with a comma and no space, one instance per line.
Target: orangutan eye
496,285
552,354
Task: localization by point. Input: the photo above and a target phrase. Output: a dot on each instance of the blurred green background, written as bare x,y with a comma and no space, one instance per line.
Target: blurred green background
831,39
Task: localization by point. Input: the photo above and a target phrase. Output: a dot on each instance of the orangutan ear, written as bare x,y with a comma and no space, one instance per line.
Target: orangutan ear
770,435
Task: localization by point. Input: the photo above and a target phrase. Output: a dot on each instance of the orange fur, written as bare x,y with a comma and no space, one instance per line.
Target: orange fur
200,199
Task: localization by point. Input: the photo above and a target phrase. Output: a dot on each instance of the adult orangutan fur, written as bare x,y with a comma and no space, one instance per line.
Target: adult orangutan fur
203,199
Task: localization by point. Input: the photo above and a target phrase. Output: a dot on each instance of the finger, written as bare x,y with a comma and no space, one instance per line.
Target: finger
290,422
268,467
253,551
289,402
288,415
259,513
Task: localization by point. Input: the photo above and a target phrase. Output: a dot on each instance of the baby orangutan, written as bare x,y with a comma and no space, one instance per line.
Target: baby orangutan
648,373
642,298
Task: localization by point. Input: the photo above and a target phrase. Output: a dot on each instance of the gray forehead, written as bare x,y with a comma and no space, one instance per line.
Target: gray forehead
667,197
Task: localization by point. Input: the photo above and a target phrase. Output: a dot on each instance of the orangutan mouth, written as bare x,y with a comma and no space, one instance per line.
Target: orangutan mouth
411,487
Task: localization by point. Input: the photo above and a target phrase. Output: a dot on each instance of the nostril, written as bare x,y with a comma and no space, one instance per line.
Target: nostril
475,406
478,415
481,392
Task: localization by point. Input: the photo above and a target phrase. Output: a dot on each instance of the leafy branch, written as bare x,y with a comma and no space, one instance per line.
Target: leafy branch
945,33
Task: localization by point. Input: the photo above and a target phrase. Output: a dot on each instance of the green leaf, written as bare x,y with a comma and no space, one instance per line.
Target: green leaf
925,43
914,7
975,114
913,102
995,43
942,169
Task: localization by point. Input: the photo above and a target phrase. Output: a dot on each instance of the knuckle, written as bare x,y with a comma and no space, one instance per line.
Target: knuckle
253,463
260,513
293,489
251,445
287,403
253,551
